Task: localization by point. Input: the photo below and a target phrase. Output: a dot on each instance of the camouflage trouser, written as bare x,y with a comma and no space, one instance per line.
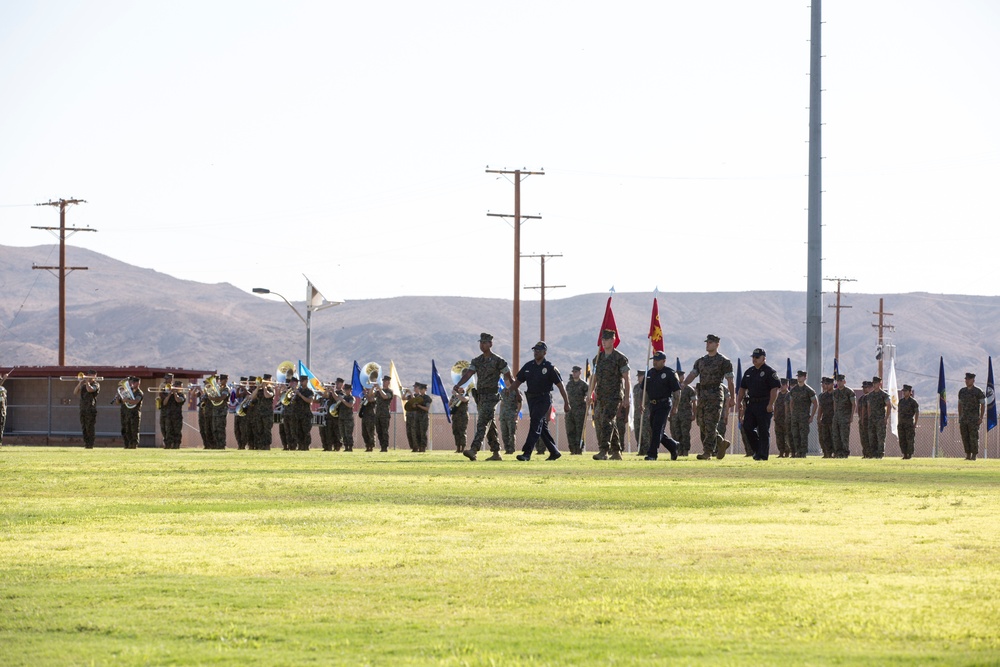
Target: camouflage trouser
970,436
606,423
800,435
203,427
866,450
241,430
643,430
620,438
346,427
841,435
486,423
508,432
825,430
382,430
88,424
368,427
416,430
171,425
299,430
217,423
876,437
680,430
130,427
907,434
709,415
574,428
781,439
460,429
260,430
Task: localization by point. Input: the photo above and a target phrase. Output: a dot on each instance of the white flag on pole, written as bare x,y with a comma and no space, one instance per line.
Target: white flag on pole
894,397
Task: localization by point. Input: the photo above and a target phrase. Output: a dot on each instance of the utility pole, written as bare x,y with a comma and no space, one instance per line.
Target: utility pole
836,335
62,268
518,175
542,287
881,326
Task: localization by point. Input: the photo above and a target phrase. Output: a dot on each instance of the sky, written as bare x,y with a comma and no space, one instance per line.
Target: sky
256,142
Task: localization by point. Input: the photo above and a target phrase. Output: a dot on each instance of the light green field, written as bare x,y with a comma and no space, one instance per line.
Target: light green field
185,557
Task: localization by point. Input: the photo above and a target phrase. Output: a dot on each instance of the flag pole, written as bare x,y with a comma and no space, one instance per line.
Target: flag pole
645,380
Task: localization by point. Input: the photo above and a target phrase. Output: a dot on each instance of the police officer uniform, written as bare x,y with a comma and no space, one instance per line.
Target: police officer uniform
759,383
661,383
538,378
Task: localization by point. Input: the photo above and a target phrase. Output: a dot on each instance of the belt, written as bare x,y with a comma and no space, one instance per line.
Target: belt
760,400
536,394
654,401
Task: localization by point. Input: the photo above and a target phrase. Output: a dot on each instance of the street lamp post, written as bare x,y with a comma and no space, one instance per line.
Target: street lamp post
314,301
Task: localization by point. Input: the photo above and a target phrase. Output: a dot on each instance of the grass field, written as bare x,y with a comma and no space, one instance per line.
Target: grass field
184,557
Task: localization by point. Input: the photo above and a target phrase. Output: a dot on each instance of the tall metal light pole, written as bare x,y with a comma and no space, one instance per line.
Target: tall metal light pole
314,301
814,280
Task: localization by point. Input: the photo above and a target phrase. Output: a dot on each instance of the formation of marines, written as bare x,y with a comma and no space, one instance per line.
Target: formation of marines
666,405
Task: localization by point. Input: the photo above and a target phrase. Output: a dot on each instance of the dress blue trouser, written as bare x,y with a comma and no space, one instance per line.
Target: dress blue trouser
757,427
659,412
539,408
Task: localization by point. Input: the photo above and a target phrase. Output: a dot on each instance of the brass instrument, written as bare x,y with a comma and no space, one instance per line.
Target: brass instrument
214,391
125,394
80,376
285,368
456,374
286,398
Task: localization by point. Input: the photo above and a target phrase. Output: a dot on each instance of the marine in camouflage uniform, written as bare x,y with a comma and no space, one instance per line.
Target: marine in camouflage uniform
260,415
576,389
878,413
488,368
130,414
843,414
803,406
711,370
510,406
611,392
345,418
367,414
680,422
909,414
383,401
866,390
88,390
241,424
640,414
825,421
172,415
781,439
298,415
971,407
459,406
217,413
418,417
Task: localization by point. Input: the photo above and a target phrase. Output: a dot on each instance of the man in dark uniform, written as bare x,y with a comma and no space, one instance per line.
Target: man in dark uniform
539,376
130,412
909,415
261,414
241,428
662,387
488,368
87,389
171,401
383,401
300,429
576,389
367,415
218,412
345,415
759,386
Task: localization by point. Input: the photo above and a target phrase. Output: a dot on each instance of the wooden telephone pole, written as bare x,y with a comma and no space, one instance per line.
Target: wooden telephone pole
62,268
836,335
518,175
881,326
542,287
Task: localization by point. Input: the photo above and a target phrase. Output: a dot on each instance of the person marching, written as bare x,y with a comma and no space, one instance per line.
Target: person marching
383,401
844,407
576,389
610,387
681,418
459,405
87,389
971,408
130,412
171,401
758,393
510,407
488,368
418,417
803,404
345,417
539,376
261,414
662,390
712,369
780,430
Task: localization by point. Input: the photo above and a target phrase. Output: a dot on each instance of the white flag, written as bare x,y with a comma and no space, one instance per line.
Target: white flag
396,386
894,397
313,298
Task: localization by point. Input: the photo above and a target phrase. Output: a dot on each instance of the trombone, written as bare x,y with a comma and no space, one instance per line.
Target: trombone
80,377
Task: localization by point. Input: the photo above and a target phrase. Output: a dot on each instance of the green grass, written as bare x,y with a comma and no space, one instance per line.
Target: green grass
185,557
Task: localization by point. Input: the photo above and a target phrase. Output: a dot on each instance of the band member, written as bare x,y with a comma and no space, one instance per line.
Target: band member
459,405
333,417
300,428
345,415
87,389
418,408
383,401
261,413
130,412
367,414
241,422
219,411
198,394
171,401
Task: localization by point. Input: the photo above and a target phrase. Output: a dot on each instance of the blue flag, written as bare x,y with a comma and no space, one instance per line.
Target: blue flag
739,379
836,369
679,367
437,388
991,404
942,397
307,375
788,371
357,389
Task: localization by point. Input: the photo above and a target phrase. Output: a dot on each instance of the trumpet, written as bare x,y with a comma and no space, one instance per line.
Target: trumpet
79,377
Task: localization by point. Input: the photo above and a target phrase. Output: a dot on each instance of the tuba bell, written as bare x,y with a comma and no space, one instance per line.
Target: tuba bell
370,374
285,368
125,392
456,374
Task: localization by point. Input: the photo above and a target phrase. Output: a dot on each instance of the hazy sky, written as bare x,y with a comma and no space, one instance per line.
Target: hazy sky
252,142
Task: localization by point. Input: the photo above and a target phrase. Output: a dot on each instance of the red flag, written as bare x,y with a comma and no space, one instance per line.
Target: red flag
608,323
655,332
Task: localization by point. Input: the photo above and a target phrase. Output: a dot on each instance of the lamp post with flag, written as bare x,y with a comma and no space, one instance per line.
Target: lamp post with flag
314,302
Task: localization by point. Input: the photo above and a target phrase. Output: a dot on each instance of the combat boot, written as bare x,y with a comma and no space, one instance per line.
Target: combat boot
496,457
601,455
615,456
723,446
469,454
